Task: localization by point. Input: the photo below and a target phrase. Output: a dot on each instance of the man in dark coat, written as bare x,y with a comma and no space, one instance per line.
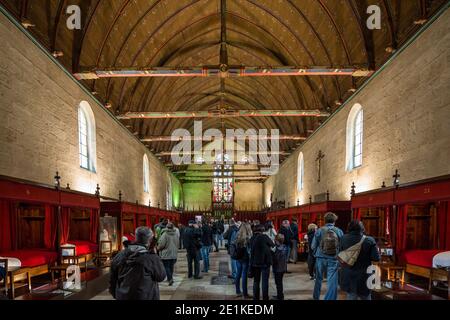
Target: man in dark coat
136,271
260,261
207,242
230,237
354,279
286,231
294,241
192,243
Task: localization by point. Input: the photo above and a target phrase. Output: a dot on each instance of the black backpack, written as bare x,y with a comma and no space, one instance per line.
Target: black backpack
329,243
130,274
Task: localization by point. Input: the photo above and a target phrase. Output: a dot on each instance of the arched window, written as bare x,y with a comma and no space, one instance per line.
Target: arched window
146,173
354,138
86,137
300,172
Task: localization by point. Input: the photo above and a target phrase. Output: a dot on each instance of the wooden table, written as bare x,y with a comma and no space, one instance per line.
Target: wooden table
14,272
393,272
398,291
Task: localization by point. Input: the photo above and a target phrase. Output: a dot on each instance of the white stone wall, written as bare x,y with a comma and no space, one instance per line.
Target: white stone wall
406,127
39,128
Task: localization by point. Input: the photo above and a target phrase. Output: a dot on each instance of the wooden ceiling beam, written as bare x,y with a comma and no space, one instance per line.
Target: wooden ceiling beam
227,113
170,138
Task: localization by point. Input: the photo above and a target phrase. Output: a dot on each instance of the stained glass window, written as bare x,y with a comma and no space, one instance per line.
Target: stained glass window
223,181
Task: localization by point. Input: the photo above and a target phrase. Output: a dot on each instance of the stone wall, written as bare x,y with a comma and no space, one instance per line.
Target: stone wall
39,129
406,127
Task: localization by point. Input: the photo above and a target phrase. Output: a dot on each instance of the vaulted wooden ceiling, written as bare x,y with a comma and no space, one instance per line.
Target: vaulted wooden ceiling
156,33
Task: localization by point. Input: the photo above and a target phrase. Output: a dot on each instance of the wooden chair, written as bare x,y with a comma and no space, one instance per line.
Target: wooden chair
439,274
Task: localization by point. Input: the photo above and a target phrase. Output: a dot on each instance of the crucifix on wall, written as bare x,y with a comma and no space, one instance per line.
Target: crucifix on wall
319,158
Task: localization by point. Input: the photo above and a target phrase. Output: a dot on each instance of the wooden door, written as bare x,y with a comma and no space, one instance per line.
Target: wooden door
31,219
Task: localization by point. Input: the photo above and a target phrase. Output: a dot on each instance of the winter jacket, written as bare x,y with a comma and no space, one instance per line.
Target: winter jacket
192,240
207,235
288,236
279,259
168,245
135,273
260,250
353,279
310,236
242,252
294,228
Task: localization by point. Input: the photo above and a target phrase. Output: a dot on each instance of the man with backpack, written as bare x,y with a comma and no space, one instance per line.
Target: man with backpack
136,271
325,246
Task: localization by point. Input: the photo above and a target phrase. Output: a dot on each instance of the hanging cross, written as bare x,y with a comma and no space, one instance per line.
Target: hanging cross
320,156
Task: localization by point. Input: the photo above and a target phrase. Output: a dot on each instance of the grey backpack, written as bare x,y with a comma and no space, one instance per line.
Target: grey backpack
329,243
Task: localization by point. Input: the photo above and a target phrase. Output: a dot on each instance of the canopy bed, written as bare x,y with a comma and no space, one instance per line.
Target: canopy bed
28,223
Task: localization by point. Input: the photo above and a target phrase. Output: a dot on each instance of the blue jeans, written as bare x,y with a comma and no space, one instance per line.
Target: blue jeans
205,257
233,268
261,274
287,250
241,272
330,266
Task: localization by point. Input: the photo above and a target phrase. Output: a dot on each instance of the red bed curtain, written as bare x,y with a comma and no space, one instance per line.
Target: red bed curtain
357,214
7,225
49,227
65,225
402,220
444,225
94,225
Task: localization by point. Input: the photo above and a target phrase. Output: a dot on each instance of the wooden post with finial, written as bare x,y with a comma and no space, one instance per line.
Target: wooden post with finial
353,187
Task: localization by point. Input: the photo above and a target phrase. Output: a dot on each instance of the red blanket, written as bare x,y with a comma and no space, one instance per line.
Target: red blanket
421,258
32,257
83,247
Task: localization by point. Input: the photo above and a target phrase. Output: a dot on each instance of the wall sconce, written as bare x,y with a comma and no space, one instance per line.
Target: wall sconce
97,191
298,202
120,195
68,187
396,177
149,203
383,185
310,199
57,180
328,195
353,187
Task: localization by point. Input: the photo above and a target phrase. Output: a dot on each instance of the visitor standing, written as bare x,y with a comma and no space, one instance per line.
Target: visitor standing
294,241
136,271
207,241
168,250
311,258
279,266
242,256
326,244
192,243
260,262
354,278
286,231
230,237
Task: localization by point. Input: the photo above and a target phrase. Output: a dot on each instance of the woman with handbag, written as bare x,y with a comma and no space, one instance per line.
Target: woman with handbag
356,254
